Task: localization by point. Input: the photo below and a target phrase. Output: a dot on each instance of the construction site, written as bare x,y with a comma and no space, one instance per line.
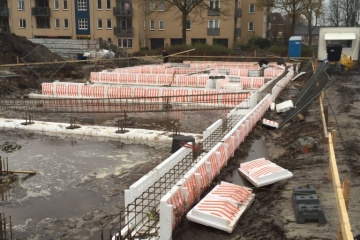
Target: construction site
195,148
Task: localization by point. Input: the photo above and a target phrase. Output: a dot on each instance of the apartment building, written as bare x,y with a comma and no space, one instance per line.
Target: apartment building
133,24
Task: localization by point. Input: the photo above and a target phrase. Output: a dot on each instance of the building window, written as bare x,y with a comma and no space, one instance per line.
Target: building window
56,4
65,4
214,24
57,23
251,8
99,24
152,6
82,5
21,5
83,23
42,23
98,4
251,26
152,25
188,24
214,4
161,6
125,42
108,23
108,4
22,23
161,24
66,23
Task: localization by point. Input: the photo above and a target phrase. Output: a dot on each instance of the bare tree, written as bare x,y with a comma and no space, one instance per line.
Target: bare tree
186,8
312,11
291,8
334,12
350,9
343,13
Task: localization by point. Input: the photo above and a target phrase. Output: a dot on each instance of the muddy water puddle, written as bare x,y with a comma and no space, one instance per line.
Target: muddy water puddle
258,150
62,186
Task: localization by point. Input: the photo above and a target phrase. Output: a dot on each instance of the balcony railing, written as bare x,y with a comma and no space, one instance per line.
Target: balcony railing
4,12
122,12
213,31
238,12
237,32
214,12
121,31
40,11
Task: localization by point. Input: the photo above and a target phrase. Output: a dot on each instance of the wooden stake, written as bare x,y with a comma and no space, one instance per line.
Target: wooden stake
333,134
346,192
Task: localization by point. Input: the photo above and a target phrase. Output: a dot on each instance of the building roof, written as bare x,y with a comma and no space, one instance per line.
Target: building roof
303,30
277,19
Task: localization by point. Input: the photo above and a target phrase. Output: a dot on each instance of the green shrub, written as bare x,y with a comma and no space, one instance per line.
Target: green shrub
262,43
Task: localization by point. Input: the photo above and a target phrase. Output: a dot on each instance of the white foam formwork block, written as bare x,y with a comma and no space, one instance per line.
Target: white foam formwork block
284,106
272,106
261,172
270,123
222,207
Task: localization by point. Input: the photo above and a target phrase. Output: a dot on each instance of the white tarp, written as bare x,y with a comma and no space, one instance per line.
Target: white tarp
340,36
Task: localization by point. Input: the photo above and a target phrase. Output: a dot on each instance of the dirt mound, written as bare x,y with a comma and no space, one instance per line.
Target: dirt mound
13,47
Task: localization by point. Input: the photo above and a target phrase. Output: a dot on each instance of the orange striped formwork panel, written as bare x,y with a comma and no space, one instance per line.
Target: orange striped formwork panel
261,172
222,207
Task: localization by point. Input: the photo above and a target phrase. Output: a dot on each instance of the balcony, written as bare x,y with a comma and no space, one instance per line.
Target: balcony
237,32
4,12
213,31
40,11
121,31
122,12
214,12
238,12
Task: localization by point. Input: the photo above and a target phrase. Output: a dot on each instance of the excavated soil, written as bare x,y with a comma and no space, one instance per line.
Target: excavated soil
271,215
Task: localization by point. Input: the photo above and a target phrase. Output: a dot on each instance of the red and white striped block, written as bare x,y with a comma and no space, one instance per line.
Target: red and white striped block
222,207
261,172
47,88
270,123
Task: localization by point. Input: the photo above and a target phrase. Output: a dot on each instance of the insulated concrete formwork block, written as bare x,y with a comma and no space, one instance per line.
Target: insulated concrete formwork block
261,172
284,106
136,189
270,123
222,207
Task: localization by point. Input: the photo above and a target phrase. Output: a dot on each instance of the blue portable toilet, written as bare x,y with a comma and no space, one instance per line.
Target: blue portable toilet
294,46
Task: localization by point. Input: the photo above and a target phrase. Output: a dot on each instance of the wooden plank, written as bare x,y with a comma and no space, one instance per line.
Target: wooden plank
340,200
323,119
